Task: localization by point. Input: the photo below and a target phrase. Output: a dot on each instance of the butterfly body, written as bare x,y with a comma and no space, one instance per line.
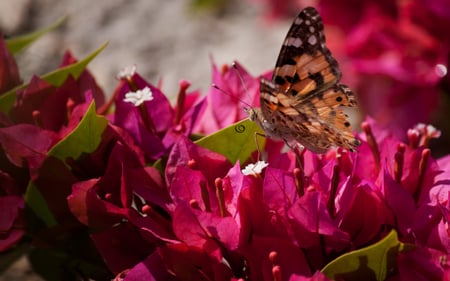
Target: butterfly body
303,101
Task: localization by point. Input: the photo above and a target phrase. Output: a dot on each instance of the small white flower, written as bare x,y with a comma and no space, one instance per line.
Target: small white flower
413,132
433,132
126,72
138,97
428,130
254,169
420,127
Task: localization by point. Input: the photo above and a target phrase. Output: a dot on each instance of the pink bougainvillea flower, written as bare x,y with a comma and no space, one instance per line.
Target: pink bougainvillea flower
433,16
84,83
205,230
50,107
12,219
127,192
153,121
191,262
352,12
139,121
26,145
9,72
233,89
410,185
186,153
189,108
423,264
397,57
395,60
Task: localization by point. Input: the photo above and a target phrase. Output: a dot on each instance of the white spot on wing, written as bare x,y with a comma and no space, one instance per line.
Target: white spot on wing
311,29
269,97
307,22
298,21
293,41
312,40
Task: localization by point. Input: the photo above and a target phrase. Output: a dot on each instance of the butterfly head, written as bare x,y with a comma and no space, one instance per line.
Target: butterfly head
254,114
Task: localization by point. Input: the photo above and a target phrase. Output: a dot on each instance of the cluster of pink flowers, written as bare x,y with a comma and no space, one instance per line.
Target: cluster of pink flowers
395,54
129,193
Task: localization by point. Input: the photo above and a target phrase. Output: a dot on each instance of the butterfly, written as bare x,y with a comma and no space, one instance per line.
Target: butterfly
303,103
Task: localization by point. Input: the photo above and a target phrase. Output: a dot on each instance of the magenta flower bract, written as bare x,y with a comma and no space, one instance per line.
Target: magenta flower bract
235,88
9,71
12,221
155,122
132,194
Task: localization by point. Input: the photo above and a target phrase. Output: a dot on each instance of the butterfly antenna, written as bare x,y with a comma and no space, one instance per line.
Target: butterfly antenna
215,86
261,155
235,67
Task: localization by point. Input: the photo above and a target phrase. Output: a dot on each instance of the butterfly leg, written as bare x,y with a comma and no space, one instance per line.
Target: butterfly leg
299,151
257,144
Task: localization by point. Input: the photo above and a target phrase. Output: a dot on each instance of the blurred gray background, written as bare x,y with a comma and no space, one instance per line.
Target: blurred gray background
167,40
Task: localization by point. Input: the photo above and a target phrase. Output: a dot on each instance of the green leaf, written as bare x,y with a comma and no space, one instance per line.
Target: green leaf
38,206
85,138
55,78
18,43
375,262
7,101
59,76
235,142
75,260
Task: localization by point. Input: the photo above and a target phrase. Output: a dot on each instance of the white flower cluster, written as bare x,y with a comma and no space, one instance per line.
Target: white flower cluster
254,169
138,97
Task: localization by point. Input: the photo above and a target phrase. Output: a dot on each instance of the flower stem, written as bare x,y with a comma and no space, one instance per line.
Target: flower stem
194,204
399,158
422,169
371,141
333,190
299,181
205,196
37,118
276,273
180,100
219,193
156,216
413,137
146,119
70,104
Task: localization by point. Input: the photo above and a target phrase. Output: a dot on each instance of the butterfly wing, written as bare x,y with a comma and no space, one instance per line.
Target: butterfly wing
317,122
305,65
303,102
327,123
